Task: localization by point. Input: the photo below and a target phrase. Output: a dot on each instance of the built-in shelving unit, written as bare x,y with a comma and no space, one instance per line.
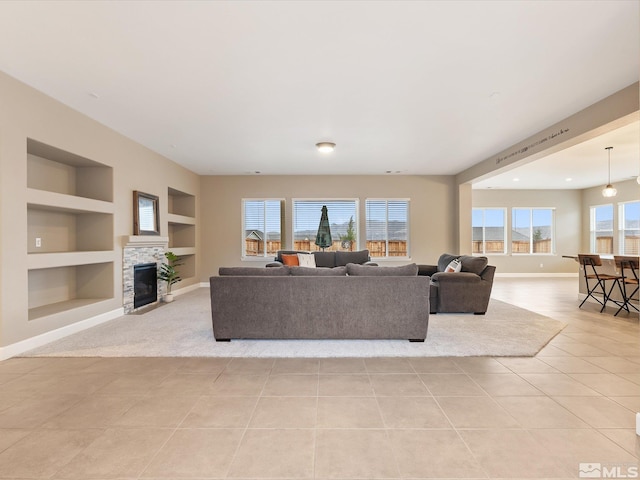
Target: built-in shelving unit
182,230
69,231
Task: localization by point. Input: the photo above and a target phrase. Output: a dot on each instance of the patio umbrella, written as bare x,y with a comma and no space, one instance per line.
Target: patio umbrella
323,237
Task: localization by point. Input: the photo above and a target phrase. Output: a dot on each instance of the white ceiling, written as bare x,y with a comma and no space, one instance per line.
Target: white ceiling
411,87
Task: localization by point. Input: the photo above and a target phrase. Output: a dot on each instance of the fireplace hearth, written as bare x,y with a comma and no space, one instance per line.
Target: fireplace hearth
145,284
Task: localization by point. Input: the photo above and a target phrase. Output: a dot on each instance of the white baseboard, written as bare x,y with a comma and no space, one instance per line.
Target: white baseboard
48,337
533,275
205,285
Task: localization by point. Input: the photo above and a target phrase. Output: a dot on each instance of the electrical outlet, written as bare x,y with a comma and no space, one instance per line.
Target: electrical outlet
38,242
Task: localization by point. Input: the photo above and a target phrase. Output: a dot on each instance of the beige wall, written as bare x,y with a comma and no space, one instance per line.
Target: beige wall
567,204
27,113
628,191
432,210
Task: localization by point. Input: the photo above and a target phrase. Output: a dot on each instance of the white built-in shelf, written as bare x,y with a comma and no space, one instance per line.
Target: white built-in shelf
53,201
183,251
70,233
61,308
180,219
68,259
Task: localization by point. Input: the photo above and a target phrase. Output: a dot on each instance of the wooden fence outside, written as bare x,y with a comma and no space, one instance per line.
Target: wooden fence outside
377,248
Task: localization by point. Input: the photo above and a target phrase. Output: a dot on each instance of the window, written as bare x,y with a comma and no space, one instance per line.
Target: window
532,230
601,228
629,228
262,227
343,220
489,233
387,228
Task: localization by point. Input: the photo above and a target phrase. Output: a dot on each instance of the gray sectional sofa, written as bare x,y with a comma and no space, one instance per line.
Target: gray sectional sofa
320,303
467,291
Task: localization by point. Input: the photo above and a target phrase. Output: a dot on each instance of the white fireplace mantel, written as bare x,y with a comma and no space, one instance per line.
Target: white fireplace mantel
133,241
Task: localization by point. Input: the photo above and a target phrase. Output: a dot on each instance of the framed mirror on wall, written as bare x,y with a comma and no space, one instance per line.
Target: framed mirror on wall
146,218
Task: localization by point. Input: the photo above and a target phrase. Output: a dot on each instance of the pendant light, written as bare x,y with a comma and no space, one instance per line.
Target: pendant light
609,191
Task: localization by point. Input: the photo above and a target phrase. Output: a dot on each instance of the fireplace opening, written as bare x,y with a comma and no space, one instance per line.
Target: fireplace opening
145,284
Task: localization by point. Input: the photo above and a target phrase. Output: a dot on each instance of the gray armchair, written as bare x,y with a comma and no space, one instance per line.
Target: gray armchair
467,291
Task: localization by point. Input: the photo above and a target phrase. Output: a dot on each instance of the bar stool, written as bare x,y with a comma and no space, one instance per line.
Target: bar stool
589,263
628,268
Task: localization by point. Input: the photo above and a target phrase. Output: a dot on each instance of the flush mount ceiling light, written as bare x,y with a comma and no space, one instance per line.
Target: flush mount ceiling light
325,147
609,191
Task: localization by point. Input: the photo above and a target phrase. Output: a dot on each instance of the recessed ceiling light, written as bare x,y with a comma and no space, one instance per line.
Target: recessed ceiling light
516,179
568,179
325,147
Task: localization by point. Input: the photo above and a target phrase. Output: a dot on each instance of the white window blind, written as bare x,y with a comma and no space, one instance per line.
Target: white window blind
387,223
343,220
262,227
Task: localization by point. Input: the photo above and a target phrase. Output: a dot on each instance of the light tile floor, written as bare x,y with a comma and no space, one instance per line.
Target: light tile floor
103,418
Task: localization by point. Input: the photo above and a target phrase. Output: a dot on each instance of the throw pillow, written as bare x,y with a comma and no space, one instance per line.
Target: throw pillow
307,260
290,260
473,264
454,266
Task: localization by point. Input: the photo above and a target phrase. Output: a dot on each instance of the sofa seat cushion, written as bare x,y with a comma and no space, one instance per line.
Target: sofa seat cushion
319,272
467,278
355,270
254,272
359,257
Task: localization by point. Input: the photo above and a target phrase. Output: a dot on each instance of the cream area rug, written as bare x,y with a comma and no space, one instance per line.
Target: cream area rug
183,329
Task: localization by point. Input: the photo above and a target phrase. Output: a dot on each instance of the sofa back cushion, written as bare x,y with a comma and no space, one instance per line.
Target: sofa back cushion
319,272
444,260
325,259
254,271
473,264
360,257
355,270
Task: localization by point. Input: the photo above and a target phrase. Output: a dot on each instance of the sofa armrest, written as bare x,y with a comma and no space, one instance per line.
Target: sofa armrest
274,264
371,264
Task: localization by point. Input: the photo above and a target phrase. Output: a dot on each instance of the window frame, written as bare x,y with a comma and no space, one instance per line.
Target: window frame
408,227
553,232
266,255
484,226
326,201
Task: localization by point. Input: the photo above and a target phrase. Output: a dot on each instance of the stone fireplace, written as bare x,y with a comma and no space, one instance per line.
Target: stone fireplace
141,250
